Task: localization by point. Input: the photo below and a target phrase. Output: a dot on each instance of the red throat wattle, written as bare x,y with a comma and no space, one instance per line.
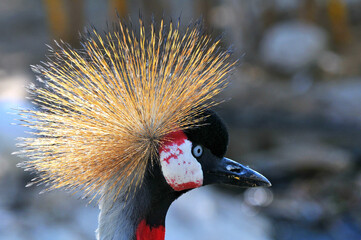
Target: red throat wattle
146,232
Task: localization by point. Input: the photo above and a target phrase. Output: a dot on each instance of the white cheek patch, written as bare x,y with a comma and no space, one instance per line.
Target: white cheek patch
180,169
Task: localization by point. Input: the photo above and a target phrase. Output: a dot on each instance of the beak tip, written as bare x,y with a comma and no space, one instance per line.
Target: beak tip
264,182
260,180
268,184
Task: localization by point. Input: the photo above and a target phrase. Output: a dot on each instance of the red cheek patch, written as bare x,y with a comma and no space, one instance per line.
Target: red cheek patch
172,155
174,138
180,169
188,185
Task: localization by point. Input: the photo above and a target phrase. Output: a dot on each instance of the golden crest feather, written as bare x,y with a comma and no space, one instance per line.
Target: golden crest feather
104,110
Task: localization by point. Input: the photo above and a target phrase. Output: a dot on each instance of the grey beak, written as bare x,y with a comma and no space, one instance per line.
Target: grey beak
227,171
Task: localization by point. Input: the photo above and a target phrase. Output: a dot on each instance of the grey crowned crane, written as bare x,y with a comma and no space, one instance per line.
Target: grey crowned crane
127,120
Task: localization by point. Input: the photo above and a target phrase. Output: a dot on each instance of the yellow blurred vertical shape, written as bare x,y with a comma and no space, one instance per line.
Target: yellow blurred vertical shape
66,18
57,18
338,17
119,6
203,8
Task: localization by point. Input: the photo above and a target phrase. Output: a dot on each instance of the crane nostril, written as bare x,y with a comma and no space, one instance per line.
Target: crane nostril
233,169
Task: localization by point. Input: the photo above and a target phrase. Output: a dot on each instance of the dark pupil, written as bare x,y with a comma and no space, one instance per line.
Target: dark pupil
198,150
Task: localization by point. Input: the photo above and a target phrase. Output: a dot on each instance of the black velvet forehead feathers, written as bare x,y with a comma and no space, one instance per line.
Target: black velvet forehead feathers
212,134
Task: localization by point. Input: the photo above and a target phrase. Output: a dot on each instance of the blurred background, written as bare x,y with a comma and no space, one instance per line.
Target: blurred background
293,110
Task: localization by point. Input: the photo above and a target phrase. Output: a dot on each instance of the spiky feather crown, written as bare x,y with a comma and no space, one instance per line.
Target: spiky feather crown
105,110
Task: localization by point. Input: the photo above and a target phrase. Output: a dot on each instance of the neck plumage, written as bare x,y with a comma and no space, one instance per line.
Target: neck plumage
142,217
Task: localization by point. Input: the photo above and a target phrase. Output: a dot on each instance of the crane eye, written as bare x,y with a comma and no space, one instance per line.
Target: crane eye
197,151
